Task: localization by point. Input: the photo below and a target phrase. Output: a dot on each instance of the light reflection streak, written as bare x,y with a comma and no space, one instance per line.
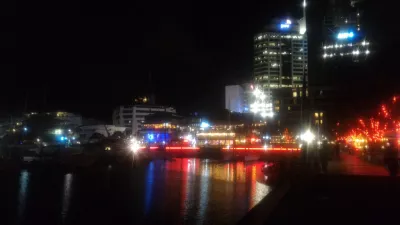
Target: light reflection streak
242,181
184,171
149,186
204,191
240,172
68,179
23,185
253,186
188,186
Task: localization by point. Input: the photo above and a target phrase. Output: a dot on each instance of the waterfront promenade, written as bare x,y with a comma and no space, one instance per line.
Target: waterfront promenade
353,192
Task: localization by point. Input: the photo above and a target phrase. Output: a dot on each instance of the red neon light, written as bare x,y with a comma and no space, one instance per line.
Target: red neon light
264,149
153,147
182,148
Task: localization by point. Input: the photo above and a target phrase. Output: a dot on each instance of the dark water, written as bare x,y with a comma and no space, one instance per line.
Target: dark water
184,191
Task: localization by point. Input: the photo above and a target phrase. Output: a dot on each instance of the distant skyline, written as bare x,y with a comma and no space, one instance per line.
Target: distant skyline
100,59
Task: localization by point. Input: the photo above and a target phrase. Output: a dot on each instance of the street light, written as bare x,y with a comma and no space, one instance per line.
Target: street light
307,136
134,145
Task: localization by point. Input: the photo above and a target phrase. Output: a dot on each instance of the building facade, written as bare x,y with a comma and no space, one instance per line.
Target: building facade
134,115
280,59
344,36
281,65
338,50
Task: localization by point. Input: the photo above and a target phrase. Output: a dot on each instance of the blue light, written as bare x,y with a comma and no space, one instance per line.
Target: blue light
204,125
285,26
345,35
25,129
149,186
62,138
157,137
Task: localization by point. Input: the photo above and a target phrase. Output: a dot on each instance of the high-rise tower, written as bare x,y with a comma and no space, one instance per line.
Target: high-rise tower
280,65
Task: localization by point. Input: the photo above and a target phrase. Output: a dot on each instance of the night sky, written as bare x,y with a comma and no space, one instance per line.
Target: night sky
91,57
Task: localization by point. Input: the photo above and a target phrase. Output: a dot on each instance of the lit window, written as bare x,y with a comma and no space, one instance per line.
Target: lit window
272,44
321,114
277,109
294,94
320,121
289,108
316,115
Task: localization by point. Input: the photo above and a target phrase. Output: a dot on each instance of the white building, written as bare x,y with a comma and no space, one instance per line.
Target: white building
134,116
234,98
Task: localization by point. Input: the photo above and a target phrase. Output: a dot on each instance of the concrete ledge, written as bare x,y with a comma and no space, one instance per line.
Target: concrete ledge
260,213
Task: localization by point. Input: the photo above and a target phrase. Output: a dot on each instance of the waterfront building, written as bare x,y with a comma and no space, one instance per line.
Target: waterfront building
134,115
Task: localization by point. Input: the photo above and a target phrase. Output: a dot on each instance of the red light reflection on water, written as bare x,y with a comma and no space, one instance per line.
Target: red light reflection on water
206,186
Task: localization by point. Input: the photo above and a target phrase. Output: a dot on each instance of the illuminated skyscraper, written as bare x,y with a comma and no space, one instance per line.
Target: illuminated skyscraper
280,55
339,46
344,36
280,65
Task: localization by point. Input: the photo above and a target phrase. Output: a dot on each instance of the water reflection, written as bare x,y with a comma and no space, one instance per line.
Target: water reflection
149,186
181,191
68,178
187,190
211,189
204,191
23,185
